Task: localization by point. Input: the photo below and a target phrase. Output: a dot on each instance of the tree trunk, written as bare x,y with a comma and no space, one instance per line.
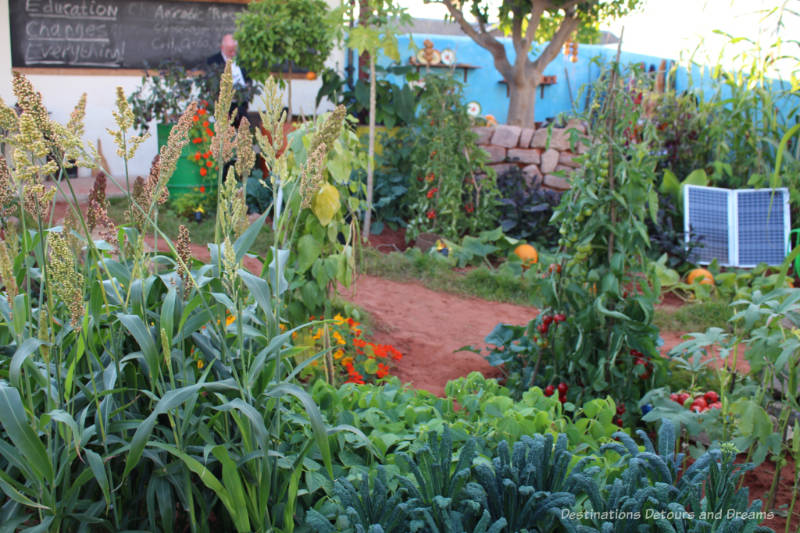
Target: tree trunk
522,102
371,148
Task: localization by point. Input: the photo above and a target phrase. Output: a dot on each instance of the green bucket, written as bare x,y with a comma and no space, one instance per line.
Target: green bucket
186,177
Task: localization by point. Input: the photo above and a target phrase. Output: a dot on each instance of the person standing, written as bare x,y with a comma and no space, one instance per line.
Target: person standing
227,52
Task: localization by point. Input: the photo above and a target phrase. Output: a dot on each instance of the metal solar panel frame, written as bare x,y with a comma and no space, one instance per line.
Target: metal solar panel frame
781,200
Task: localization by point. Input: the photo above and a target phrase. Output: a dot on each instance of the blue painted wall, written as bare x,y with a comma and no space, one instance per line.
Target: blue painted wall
483,84
572,78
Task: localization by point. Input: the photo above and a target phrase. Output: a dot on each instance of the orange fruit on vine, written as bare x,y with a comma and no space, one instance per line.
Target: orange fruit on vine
527,254
311,75
703,276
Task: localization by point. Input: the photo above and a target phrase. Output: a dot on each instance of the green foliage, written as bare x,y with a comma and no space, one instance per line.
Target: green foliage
392,175
602,285
147,391
321,252
271,32
395,105
526,210
163,97
259,195
452,193
531,487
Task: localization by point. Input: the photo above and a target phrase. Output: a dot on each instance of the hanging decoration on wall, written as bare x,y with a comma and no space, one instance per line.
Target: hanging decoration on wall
448,57
571,50
427,55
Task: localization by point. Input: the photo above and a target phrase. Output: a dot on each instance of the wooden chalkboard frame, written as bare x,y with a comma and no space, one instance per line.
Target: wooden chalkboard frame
100,71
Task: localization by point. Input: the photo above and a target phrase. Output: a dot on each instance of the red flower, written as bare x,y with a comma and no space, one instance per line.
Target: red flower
207,154
209,163
431,214
383,371
205,123
203,188
197,156
209,132
203,171
201,111
195,119
197,140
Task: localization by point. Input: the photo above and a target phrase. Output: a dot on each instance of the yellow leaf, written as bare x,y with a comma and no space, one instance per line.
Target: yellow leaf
325,203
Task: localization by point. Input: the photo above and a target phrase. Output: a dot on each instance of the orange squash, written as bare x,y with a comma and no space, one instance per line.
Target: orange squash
703,277
527,254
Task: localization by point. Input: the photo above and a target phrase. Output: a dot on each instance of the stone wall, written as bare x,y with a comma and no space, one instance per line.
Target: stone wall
544,155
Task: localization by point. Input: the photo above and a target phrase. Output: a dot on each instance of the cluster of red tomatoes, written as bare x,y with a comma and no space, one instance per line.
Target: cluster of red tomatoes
549,319
640,359
700,403
562,391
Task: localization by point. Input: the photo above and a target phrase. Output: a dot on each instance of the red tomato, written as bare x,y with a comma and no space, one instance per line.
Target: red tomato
711,397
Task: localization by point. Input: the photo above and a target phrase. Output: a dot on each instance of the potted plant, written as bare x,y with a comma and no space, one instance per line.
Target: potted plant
162,98
294,33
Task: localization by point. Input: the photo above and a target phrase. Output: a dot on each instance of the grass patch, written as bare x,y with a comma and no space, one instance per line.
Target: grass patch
697,316
496,285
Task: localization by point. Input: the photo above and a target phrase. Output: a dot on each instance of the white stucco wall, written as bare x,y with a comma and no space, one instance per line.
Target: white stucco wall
61,93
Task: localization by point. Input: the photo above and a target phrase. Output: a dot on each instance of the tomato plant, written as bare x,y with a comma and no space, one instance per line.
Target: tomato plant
452,192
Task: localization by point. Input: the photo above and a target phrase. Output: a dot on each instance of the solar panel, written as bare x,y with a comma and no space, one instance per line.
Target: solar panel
741,227
706,218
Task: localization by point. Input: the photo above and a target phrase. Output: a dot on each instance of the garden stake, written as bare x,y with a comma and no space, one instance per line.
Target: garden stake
612,89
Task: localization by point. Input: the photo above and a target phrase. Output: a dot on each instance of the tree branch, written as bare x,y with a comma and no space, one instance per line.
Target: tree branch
568,25
482,38
537,10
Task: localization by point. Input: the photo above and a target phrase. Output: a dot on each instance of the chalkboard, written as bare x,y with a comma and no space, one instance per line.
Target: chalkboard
117,33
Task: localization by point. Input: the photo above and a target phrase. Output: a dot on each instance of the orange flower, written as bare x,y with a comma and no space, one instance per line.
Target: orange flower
202,188
195,119
205,124
197,140
203,171
201,111
209,132
197,156
209,163
383,371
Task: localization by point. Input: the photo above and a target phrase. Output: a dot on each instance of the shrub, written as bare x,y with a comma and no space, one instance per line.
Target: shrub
527,208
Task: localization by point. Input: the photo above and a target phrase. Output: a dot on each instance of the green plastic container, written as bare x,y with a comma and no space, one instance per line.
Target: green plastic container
186,177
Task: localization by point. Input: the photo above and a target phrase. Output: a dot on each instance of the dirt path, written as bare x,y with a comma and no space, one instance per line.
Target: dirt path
428,327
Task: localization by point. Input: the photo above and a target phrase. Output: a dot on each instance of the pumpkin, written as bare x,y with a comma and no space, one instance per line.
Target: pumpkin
527,254
703,277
